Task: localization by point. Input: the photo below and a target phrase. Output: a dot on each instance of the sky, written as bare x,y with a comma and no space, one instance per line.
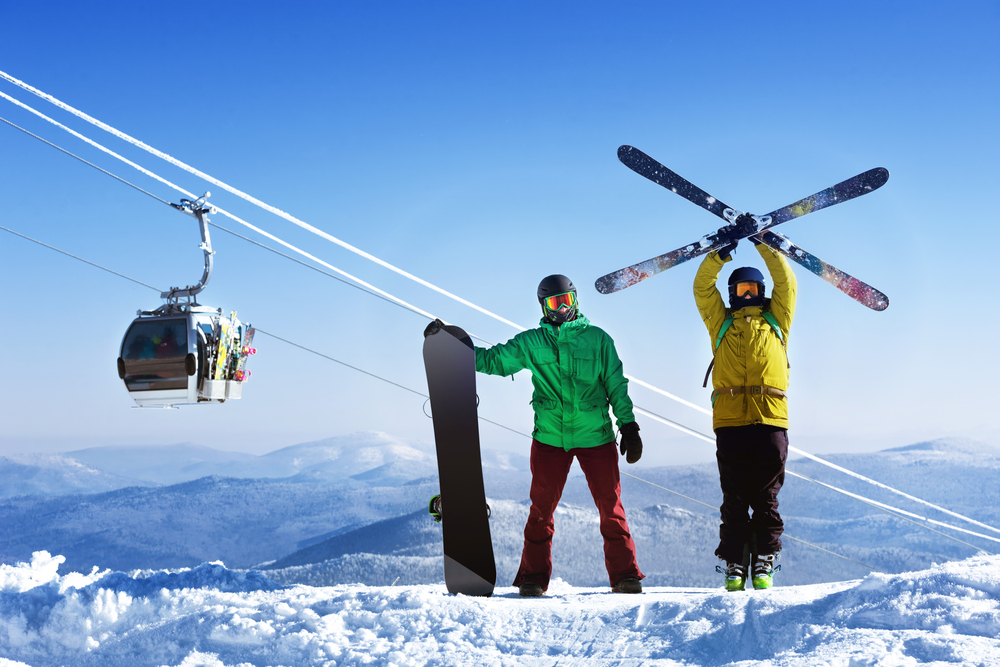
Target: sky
474,145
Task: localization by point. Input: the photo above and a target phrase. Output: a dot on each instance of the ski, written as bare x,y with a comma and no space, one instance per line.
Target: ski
646,166
642,164
860,291
862,184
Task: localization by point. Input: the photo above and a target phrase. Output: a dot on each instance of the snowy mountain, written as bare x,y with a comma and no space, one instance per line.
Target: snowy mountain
338,519
240,521
212,616
161,464
56,475
331,460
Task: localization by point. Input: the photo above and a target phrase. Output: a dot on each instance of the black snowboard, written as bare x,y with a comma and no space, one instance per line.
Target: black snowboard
450,362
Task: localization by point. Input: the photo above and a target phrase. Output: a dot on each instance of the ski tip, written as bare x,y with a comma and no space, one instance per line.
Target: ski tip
623,150
878,177
605,285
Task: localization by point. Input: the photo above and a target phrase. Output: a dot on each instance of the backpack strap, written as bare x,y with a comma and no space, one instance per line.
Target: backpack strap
726,323
769,317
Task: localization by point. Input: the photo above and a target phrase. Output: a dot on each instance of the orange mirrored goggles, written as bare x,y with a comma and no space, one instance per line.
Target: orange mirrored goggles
747,287
559,300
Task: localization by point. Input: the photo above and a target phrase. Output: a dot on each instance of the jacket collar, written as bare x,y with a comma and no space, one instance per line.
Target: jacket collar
567,328
747,311
751,311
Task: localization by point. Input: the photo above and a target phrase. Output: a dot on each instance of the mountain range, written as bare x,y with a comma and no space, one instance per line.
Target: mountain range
352,509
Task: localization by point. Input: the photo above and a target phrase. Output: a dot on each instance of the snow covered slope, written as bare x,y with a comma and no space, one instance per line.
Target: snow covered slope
215,617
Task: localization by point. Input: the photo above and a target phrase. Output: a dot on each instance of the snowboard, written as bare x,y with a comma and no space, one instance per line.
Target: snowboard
246,351
450,363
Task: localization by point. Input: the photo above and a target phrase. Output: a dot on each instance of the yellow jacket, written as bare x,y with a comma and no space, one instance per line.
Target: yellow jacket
751,354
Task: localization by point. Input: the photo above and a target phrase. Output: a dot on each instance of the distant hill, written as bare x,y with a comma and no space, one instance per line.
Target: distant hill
238,521
56,475
332,460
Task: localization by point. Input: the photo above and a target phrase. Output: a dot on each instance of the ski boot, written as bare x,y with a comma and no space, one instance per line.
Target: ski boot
434,507
627,585
736,576
764,568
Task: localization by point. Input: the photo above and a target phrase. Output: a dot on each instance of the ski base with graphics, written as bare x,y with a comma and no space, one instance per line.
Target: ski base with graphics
450,363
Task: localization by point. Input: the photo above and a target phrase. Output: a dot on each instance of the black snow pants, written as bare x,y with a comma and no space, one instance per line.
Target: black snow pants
751,471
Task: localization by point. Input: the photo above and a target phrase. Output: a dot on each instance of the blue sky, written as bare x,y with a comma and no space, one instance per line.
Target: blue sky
474,145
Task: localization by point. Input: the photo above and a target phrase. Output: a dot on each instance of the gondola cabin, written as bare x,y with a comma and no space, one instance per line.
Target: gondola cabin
186,357
183,353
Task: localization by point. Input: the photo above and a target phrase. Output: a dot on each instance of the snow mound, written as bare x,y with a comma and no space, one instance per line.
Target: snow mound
217,617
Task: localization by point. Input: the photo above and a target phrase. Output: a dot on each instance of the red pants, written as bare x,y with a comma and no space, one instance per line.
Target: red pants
549,469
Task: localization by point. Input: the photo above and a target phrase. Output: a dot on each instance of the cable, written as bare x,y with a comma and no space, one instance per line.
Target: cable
901,493
895,511
72,155
290,218
86,261
356,285
243,195
192,196
323,234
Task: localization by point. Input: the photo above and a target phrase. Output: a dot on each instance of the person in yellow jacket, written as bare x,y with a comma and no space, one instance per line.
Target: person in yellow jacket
749,407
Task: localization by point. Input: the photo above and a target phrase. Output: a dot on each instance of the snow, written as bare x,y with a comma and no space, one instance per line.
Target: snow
211,615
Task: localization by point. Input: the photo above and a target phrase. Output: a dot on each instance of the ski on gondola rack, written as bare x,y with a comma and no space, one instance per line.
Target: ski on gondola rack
646,166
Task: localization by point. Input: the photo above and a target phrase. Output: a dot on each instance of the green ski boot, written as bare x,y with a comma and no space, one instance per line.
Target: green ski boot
736,576
764,568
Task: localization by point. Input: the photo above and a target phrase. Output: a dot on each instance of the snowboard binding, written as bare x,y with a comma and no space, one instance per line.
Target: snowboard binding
434,508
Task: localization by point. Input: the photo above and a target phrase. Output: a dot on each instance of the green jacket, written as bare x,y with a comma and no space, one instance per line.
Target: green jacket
751,354
576,373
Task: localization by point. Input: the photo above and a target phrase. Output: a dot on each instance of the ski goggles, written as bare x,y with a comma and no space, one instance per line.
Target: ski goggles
751,287
559,300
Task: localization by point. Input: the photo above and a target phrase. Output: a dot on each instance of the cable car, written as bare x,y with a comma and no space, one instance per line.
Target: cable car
184,353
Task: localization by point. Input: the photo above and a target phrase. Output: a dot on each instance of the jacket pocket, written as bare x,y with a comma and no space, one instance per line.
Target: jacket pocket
542,403
585,365
542,355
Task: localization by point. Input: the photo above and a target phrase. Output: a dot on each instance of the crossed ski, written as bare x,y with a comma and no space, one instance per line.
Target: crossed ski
762,232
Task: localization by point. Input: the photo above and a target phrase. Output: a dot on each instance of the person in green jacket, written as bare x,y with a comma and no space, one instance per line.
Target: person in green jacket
749,407
576,374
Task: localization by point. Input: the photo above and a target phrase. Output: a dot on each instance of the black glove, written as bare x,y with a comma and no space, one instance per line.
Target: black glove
433,328
725,251
730,235
631,442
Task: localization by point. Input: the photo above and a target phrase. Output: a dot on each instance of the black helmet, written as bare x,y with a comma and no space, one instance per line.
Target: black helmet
554,286
747,274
